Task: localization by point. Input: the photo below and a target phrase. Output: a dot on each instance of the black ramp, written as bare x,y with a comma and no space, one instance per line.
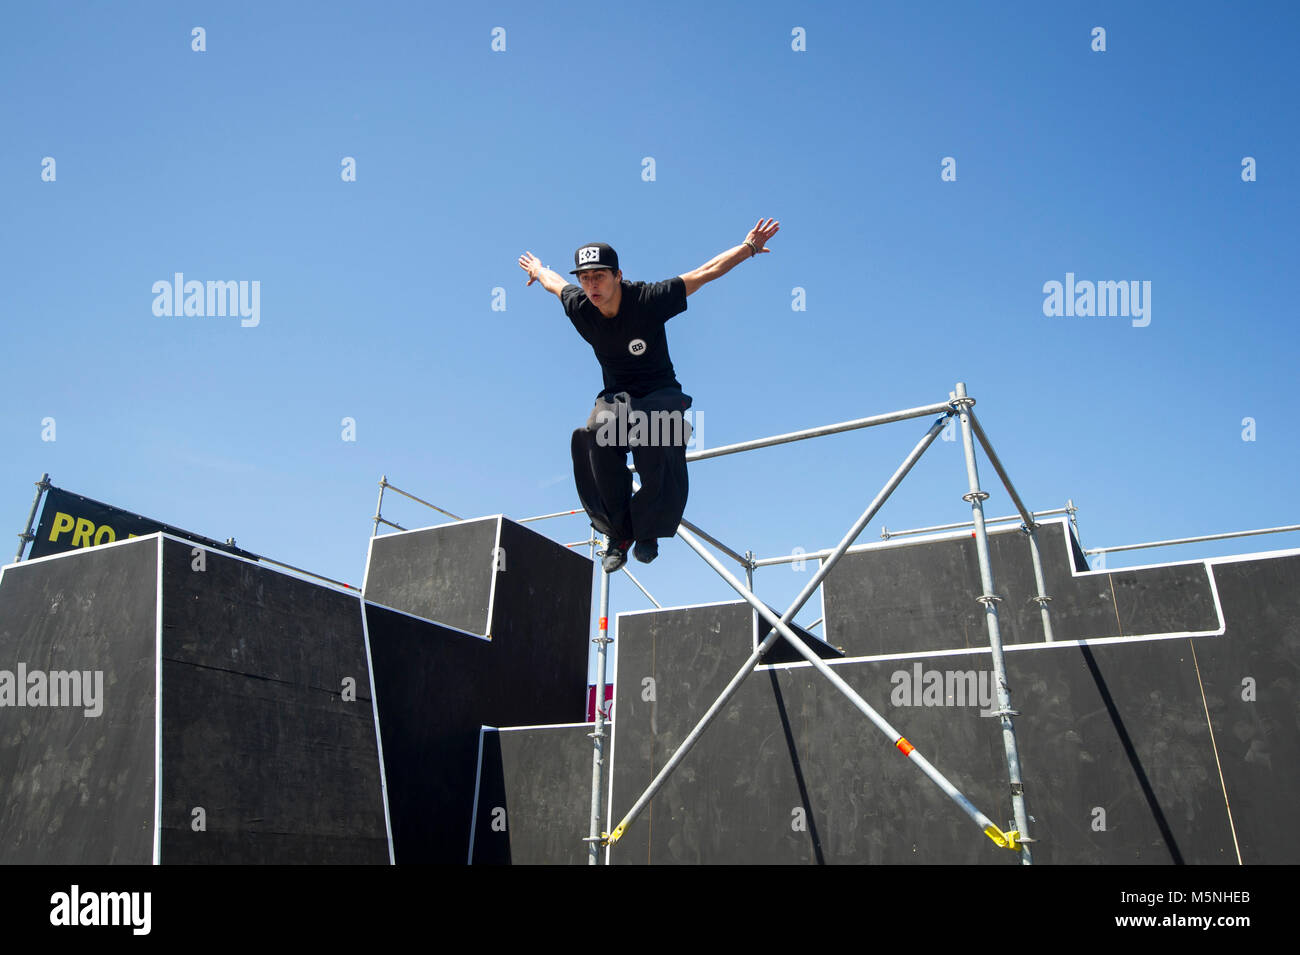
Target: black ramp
782,652
1252,684
440,573
493,805
1115,751
1116,754
738,779
268,725
434,686
922,596
78,789
542,615
534,805
790,771
1164,599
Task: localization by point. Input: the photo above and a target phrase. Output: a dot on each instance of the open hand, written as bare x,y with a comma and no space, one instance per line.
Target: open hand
760,234
530,264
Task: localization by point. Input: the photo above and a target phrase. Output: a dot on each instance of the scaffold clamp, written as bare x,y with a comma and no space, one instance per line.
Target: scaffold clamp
1007,840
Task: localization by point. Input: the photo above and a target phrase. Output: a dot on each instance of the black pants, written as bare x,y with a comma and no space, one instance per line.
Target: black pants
659,451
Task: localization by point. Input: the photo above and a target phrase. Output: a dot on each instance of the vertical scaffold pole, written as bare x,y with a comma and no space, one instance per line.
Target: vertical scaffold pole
598,731
379,505
976,498
1074,520
749,582
1042,597
42,486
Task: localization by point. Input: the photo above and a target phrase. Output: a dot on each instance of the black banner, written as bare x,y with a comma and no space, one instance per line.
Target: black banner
70,522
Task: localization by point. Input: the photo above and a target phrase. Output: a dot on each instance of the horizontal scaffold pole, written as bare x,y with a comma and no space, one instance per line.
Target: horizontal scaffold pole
869,422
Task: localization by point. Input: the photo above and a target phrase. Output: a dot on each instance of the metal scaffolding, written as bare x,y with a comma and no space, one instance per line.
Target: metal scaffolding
959,405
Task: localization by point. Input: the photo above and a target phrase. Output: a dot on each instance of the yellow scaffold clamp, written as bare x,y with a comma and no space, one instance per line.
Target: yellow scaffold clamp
1007,840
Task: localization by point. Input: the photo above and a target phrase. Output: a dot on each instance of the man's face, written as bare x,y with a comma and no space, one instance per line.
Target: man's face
599,284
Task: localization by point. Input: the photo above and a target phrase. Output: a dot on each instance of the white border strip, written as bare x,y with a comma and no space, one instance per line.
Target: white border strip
1044,645
444,626
1063,522
540,726
492,590
365,574
265,565
1240,558
613,747
712,603
1209,561
82,550
157,710
1207,564
1009,648
478,777
486,634
379,736
416,530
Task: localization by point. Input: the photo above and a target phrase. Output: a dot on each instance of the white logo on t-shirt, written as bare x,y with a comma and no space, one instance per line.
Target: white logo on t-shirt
636,346
590,254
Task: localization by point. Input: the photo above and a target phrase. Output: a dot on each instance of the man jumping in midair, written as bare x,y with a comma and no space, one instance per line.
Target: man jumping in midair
624,324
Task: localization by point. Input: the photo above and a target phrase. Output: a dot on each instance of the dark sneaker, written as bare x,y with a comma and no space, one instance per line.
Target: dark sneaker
646,551
615,556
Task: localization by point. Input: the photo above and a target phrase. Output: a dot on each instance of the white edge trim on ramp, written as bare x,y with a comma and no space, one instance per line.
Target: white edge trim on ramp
492,590
379,736
157,710
478,777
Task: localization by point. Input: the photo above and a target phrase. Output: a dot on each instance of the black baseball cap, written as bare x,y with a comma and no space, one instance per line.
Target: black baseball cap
595,255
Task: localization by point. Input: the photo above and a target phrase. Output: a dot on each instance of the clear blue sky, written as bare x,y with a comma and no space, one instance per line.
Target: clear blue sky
376,295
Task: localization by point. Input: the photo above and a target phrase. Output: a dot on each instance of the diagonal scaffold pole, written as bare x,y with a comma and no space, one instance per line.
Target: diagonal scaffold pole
1007,840
1028,525
780,628
976,497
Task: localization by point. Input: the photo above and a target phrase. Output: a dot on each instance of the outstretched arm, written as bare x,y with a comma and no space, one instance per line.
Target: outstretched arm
721,264
553,282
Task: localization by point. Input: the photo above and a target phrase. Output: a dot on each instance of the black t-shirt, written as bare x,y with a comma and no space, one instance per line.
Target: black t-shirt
631,347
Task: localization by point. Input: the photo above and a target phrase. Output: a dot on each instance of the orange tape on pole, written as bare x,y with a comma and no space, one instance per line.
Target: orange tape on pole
904,746
604,624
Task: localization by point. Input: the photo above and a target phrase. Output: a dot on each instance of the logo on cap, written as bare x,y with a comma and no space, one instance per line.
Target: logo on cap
636,346
590,254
